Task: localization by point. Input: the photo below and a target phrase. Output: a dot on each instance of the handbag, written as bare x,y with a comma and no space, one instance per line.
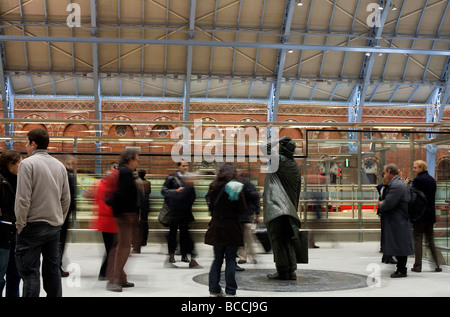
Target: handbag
7,234
303,256
164,217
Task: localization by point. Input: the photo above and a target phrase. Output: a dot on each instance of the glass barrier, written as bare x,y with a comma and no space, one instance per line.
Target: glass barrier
340,171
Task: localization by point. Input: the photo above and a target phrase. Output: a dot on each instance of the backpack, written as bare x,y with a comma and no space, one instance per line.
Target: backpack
112,185
417,204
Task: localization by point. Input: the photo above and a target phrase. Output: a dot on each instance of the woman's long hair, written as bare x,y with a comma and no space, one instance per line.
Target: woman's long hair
227,172
8,157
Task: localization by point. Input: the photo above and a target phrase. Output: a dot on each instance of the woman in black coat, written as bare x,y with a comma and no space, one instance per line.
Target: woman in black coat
9,164
225,230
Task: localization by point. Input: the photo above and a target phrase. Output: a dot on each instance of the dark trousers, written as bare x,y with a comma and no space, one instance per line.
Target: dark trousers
35,239
12,277
63,236
229,254
186,242
110,241
281,238
420,230
119,255
401,263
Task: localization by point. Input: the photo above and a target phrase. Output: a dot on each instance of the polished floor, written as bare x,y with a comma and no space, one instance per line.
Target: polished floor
336,269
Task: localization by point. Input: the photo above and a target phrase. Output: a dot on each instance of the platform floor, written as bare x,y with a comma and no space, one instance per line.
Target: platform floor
354,266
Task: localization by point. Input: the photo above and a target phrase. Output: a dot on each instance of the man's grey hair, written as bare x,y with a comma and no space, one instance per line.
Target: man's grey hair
392,169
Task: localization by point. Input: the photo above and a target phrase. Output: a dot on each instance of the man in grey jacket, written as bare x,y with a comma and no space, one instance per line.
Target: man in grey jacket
42,203
397,233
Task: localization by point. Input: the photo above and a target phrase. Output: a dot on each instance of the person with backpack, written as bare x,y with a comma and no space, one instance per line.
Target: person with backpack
397,237
424,225
225,232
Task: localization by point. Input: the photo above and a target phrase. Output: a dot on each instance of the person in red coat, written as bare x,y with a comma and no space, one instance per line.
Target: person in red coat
105,222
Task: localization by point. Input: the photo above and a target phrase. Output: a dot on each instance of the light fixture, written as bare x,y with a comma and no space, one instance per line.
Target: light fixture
368,54
290,51
299,3
394,8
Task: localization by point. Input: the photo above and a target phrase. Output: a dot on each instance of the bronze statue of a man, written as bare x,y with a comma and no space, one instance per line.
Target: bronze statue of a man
280,200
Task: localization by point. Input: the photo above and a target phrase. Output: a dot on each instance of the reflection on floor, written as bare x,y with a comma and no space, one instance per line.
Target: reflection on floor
343,269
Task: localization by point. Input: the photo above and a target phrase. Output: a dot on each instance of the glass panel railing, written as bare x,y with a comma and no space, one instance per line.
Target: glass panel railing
340,168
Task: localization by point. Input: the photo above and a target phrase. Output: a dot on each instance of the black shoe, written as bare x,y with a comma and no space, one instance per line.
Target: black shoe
398,274
283,276
240,269
184,258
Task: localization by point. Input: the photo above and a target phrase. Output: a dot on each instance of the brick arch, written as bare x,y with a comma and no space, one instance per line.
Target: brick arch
107,127
248,120
398,135
209,119
62,128
293,133
440,172
48,126
149,131
315,134
377,131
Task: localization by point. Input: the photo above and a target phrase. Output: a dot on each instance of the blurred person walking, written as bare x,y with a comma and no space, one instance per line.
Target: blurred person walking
424,225
125,208
105,221
9,165
39,220
397,235
140,235
225,232
69,162
249,219
179,194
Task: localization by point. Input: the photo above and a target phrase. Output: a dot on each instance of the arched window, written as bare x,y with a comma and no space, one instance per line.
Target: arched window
443,170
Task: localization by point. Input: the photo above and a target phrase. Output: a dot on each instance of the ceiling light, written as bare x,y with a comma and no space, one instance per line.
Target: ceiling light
290,51
368,54
299,3
394,7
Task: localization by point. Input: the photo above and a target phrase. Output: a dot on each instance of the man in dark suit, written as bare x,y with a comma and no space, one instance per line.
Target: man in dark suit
424,225
397,237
